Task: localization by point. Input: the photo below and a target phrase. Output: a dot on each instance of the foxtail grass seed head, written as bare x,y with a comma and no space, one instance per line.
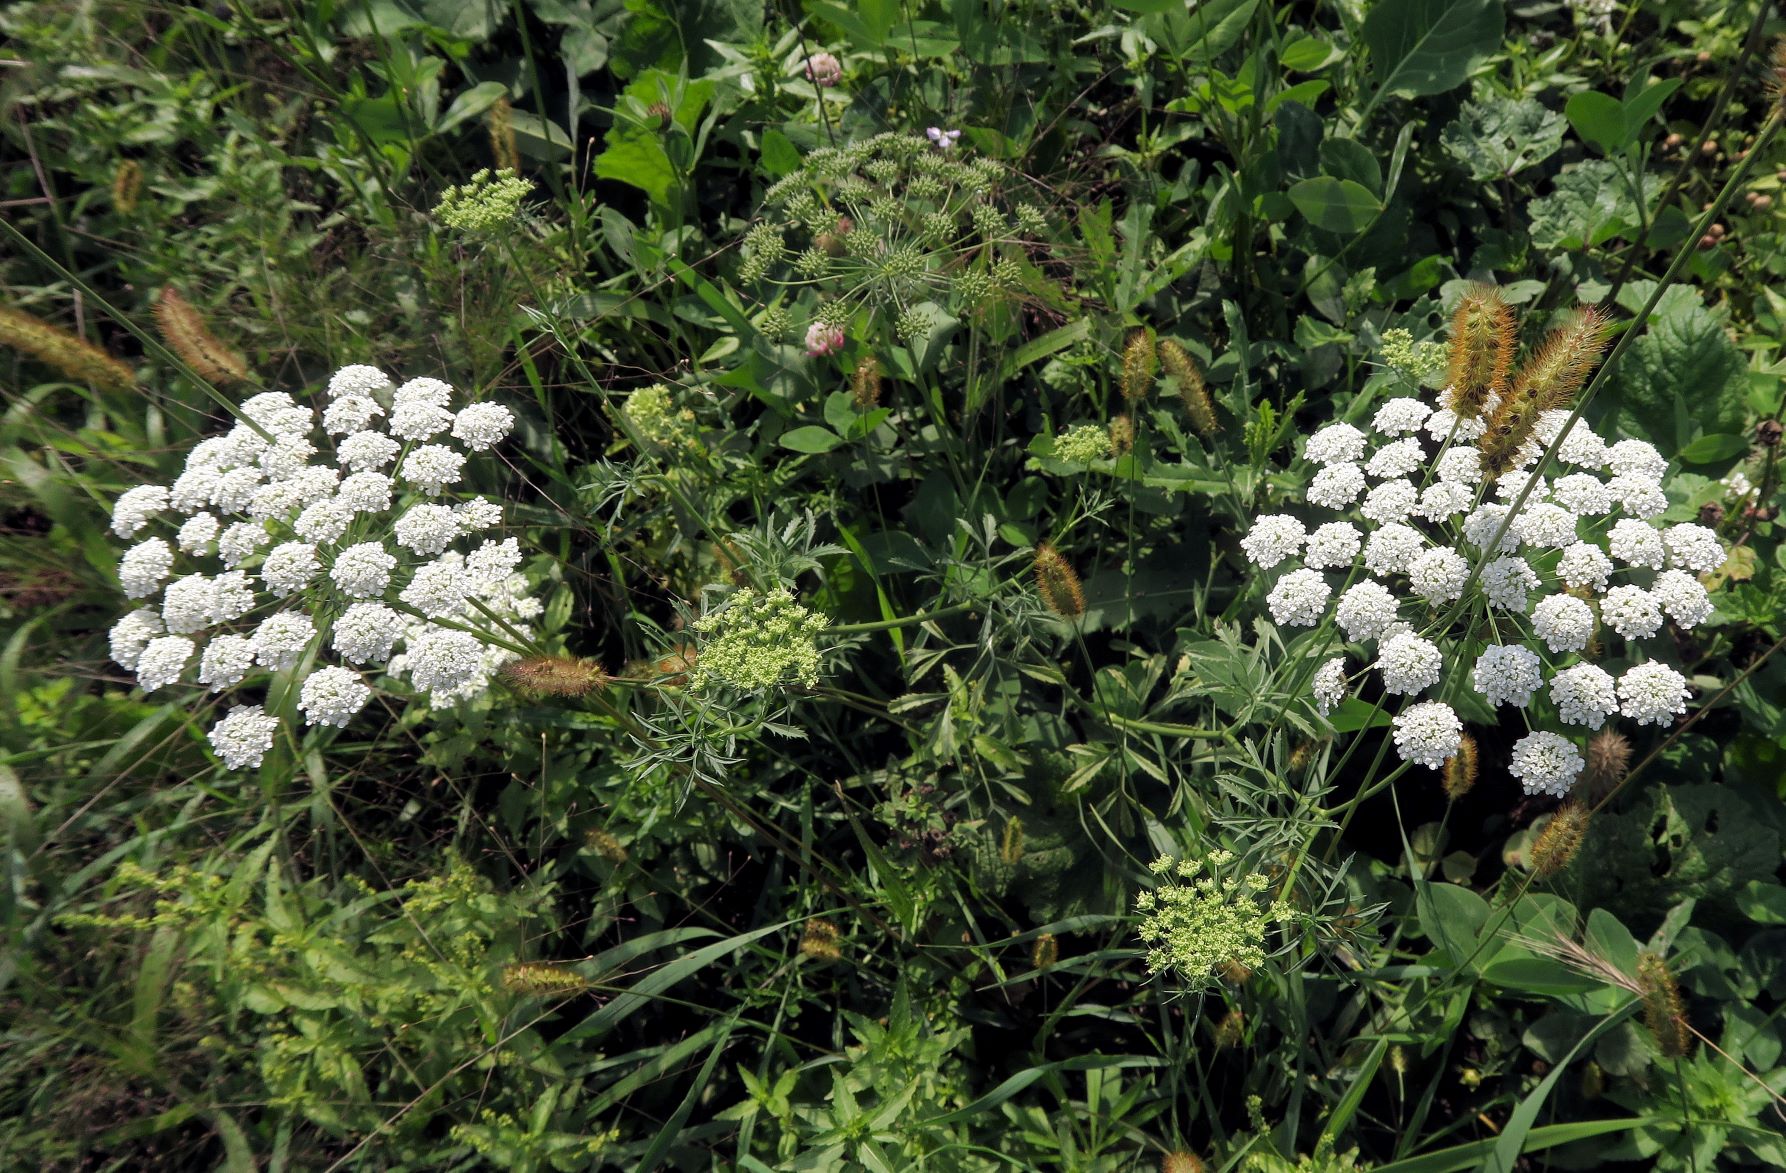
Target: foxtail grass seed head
1481,351
818,941
1459,772
186,335
1181,1162
1122,433
1776,74
1560,840
1664,1013
565,676
488,201
1045,953
604,844
127,186
1058,583
536,979
1593,1081
1230,1029
80,361
1546,382
1187,377
500,123
865,384
1139,363
1010,848
1609,760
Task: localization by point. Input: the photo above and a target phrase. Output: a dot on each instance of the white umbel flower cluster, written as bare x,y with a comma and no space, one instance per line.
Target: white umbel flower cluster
287,539
1452,583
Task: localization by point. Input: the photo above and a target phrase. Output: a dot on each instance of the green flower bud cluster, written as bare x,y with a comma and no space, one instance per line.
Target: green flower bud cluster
1082,444
1199,920
1416,360
488,201
660,422
887,224
757,641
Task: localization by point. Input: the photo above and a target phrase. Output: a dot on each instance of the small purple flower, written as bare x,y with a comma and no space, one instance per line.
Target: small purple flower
944,139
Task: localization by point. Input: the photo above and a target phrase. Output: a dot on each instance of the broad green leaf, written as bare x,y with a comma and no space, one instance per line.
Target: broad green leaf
1598,118
1682,370
539,138
470,104
1452,917
810,439
1342,206
1715,448
1305,54
778,154
1420,47
1500,138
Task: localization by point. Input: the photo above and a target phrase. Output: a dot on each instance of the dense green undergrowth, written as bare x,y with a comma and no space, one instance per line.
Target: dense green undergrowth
896,393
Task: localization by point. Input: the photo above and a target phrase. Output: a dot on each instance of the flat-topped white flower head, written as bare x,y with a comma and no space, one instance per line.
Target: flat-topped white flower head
1546,763
1653,694
1273,538
1428,733
1507,675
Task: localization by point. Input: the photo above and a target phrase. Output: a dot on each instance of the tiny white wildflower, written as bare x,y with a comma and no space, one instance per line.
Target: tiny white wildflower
226,662
363,570
358,379
1330,685
197,534
1428,733
281,639
1460,465
1336,486
1408,663
1399,417
1693,547
1505,582
1332,545
1299,599
1390,501
1366,610
136,507
131,634
289,567
1584,493
1584,694
1636,458
483,425
1545,526
331,696
145,567
353,413
1631,611
1438,574
1507,674
1638,496
1584,565
1273,538
366,632
432,467
1563,622
1335,444
1392,549
1652,694
1636,543
365,492
1443,500
241,540
162,661
365,451
324,522
1484,522
243,738
1682,596
1546,763
427,529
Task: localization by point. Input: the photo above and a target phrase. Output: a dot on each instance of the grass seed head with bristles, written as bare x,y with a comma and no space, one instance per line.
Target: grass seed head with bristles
54,347
1481,350
1664,1014
1122,433
186,334
1058,583
1560,840
1010,848
1045,952
539,978
1459,771
540,676
127,186
865,383
500,123
1181,1162
1609,760
1182,369
605,845
1139,363
1547,381
1230,1030
819,941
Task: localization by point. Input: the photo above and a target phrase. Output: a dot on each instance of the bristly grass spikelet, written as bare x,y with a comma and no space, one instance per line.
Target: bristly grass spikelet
604,844
818,941
1122,433
541,676
500,123
1560,840
127,186
56,348
1664,1013
1459,772
1181,1162
186,334
1182,369
1547,381
1139,363
537,978
1058,583
1045,953
1010,848
1609,760
865,383
1481,351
